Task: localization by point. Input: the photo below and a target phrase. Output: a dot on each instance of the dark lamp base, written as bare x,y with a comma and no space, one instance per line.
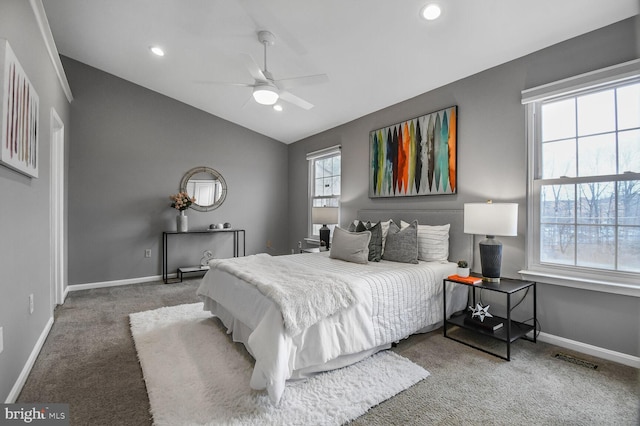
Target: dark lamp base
491,259
324,235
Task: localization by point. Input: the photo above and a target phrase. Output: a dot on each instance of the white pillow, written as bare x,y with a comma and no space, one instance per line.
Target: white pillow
385,231
350,246
433,242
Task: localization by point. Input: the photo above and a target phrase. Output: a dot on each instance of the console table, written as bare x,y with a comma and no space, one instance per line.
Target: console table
191,269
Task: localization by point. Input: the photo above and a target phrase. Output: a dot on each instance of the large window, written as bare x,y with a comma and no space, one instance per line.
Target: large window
584,197
324,187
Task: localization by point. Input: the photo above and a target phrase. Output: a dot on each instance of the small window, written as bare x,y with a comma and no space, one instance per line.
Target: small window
325,182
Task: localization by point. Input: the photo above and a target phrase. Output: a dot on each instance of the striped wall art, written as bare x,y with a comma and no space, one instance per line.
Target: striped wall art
19,109
415,157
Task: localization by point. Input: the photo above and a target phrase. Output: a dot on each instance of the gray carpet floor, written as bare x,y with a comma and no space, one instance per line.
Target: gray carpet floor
89,361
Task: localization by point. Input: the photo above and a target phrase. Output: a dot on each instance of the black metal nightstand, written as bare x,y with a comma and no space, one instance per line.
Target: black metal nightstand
511,330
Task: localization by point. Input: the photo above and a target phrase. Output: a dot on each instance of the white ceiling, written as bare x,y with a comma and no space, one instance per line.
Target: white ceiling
376,53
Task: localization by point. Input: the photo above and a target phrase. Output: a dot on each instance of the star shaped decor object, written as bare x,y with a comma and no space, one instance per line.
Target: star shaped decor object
480,311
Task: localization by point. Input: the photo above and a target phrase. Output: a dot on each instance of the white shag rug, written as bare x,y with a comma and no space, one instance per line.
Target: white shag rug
195,375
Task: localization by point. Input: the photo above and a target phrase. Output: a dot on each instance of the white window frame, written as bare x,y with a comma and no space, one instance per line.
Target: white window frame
617,282
311,158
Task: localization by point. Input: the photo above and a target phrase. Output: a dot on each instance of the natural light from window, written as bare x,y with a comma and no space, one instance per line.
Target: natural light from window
325,185
589,193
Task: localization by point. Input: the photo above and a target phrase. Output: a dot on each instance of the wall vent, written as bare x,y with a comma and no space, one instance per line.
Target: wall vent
574,360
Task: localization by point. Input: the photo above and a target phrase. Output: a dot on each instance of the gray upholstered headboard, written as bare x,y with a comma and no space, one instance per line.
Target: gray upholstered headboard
460,244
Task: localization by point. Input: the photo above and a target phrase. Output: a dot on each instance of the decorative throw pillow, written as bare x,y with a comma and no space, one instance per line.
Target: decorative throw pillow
350,246
385,231
375,245
402,245
433,242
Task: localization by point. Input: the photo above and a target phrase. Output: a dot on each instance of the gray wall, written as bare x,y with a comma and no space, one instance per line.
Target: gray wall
131,147
492,164
24,210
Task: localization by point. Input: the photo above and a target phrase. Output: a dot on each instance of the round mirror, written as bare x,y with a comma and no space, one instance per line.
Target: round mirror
207,186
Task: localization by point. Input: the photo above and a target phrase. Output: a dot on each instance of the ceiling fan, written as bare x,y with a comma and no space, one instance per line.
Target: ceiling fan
267,90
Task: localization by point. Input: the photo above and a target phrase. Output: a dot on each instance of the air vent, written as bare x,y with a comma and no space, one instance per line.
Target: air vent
577,361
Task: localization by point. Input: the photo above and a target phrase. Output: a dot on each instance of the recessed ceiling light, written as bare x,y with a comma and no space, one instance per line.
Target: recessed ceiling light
156,50
431,12
277,107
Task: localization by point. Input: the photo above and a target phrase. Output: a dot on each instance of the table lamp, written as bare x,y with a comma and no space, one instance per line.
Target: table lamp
324,215
491,219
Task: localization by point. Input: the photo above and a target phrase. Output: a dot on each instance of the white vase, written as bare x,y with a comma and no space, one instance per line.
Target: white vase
182,221
463,272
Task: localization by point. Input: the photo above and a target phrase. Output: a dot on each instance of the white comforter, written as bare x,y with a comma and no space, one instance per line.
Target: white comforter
304,295
394,300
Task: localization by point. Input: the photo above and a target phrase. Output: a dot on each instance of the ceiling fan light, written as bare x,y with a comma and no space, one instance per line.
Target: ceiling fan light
156,50
265,95
431,12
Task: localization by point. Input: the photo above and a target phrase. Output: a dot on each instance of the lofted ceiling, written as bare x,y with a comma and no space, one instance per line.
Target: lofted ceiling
375,53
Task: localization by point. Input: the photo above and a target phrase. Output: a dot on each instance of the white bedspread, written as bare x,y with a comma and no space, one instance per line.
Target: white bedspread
394,300
305,295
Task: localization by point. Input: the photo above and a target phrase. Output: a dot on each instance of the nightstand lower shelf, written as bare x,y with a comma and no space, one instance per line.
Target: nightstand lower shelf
519,330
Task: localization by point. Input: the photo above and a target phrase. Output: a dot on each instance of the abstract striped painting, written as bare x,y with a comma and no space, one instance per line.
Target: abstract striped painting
19,109
415,157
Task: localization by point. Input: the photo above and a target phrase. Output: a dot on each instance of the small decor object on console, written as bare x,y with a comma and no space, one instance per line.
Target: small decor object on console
480,311
463,268
206,257
466,280
182,201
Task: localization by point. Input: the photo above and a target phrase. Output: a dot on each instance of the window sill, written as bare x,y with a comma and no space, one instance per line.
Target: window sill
314,241
581,283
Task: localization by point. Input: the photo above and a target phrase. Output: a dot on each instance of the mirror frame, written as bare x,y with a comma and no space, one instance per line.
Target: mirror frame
187,176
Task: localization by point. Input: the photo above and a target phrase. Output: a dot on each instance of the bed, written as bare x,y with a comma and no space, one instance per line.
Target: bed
322,312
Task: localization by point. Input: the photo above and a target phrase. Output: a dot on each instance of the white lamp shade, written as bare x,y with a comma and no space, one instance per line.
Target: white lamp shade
324,215
491,219
265,94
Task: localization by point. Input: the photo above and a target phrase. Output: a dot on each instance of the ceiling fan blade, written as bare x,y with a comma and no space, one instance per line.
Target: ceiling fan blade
293,99
247,102
289,83
252,67
224,83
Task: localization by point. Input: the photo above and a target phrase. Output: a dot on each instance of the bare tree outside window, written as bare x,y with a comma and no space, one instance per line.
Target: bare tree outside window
588,188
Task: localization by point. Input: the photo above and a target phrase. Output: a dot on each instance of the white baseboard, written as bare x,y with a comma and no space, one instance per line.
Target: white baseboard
103,284
619,357
24,374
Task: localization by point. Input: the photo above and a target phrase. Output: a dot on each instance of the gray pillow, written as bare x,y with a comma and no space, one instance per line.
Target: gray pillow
350,246
375,245
402,245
